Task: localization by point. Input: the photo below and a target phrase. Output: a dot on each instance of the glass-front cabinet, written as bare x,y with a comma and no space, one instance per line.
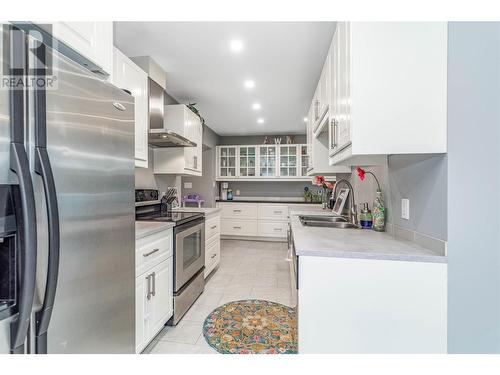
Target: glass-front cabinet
248,161
227,161
267,165
288,161
304,162
264,162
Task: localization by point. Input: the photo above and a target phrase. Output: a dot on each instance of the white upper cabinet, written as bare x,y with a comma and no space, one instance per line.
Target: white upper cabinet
389,92
181,160
262,162
130,77
93,40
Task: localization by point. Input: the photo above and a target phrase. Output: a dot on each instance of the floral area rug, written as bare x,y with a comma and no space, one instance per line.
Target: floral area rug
252,327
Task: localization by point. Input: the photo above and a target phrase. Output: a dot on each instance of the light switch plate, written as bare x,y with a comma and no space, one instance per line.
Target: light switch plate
405,209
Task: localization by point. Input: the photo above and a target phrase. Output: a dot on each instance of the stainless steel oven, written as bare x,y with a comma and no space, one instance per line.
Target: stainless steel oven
189,265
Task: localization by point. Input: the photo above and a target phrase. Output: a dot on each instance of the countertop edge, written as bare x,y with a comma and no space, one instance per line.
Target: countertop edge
380,256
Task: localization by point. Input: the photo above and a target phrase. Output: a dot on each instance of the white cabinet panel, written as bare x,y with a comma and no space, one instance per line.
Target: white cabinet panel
366,306
392,90
163,297
94,40
269,228
239,210
212,255
181,160
273,211
239,227
212,228
141,313
128,76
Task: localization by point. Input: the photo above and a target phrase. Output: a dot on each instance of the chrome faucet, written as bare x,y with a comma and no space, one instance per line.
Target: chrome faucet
353,212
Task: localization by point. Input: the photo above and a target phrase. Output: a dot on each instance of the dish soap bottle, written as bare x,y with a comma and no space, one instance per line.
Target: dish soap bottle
365,218
379,212
229,195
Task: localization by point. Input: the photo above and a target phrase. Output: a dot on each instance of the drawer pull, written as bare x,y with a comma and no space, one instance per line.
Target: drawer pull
213,256
236,210
278,212
214,227
236,227
151,252
278,229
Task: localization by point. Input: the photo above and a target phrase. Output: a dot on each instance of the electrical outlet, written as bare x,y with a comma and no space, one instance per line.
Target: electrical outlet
188,185
237,192
405,209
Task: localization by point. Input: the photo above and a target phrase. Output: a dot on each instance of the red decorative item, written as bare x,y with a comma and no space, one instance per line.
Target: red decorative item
328,185
361,173
319,180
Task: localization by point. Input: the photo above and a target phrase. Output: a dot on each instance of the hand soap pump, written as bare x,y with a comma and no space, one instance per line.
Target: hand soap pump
366,219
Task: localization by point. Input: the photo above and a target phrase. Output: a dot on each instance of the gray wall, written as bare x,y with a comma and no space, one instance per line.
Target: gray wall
146,179
257,139
205,185
473,188
422,180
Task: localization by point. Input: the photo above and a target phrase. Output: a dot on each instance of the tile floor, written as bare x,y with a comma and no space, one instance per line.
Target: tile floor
248,269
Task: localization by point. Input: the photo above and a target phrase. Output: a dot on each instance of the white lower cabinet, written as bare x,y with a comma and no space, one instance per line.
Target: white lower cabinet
154,294
265,220
371,306
212,243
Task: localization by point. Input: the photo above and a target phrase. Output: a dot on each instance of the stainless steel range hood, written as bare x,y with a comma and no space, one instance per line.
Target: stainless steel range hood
159,135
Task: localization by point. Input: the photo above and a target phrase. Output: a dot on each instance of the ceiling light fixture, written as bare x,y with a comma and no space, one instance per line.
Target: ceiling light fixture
256,106
305,119
249,84
260,121
236,45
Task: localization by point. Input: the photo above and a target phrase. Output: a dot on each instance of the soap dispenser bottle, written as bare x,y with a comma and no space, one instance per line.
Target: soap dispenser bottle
366,219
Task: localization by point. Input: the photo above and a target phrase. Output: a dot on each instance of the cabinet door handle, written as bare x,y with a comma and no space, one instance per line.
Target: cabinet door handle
148,279
151,252
236,210
214,227
333,126
213,256
278,212
278,229
154,284
236,227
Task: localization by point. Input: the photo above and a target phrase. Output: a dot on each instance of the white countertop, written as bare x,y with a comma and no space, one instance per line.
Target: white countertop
355,243
145,228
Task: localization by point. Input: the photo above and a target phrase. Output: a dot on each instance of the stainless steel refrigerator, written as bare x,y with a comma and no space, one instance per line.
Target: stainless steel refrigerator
67,243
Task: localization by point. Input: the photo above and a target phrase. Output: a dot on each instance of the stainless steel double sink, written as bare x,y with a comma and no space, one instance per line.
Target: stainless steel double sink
339,222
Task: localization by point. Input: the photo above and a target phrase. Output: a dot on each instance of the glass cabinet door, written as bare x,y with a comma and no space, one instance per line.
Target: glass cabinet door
227,160
288,161
247,161
303,160
267,167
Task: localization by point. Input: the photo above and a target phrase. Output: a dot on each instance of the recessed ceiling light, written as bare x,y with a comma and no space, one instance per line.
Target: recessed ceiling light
305,119
256,106
249,84
236,45
260,121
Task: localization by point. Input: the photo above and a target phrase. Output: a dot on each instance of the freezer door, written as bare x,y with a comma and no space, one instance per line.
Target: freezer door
90,143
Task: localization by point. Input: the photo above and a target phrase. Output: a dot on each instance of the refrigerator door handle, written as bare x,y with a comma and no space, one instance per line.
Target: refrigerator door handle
44,169
24,203
42,316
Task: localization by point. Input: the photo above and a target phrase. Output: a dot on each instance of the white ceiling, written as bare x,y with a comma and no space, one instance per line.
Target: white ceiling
283,58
